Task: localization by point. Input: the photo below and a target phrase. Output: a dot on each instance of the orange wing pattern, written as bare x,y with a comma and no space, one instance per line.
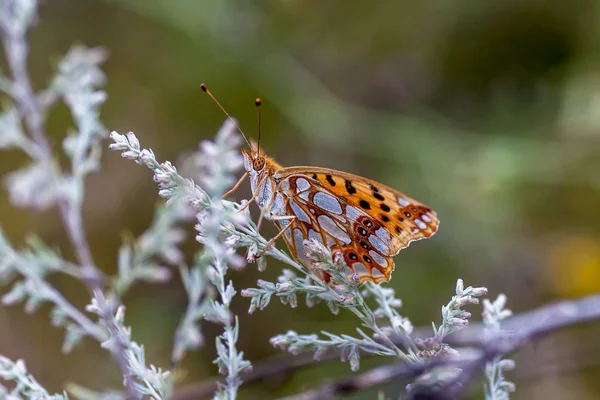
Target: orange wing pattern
366,221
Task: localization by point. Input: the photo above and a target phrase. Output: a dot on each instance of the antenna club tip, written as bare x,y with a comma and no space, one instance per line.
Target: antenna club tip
203,87
258,101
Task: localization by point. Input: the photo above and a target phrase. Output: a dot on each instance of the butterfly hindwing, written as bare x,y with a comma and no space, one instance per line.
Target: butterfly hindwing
322,216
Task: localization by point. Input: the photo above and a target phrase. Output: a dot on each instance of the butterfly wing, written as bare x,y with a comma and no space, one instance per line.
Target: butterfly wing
367,221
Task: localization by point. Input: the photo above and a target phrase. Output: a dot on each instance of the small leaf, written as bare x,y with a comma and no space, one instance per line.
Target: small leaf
35,187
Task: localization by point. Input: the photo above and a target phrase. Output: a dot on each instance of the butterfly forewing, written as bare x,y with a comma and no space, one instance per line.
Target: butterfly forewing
366,221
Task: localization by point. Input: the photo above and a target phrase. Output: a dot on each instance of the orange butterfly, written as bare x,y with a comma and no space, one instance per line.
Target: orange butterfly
365,221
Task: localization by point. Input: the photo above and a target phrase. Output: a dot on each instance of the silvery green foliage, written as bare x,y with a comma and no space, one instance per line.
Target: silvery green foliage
28,269
146,258
188,335
222,227
170,183
348,346
42,184
147,381
16,16
219,161
25,385
11,131
174,187
78,79
497,387
216,219
384,322
454,318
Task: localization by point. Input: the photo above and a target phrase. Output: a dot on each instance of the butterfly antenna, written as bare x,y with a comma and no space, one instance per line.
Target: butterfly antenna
257,103
205,89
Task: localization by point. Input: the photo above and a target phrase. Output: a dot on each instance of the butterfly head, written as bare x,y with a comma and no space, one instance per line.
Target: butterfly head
255,162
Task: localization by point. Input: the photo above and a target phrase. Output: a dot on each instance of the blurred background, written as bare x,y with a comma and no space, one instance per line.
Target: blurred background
488,112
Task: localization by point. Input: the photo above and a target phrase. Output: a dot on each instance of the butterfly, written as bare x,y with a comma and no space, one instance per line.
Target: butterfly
364,221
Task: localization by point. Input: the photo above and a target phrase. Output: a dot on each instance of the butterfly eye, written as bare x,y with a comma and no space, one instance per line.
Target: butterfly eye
259,163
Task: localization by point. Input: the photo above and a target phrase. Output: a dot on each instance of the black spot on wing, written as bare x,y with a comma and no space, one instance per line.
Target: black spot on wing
330,180
349,188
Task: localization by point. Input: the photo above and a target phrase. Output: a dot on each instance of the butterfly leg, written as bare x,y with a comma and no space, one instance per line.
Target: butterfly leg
260,220
274,238
237,185
254,195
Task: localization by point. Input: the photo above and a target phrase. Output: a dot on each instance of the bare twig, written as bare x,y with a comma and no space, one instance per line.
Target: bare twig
272,367
525,327
374,377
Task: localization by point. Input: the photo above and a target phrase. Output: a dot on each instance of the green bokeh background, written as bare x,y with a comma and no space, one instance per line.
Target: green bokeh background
489,112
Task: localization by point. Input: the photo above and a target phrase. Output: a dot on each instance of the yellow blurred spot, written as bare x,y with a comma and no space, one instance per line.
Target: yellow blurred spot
575,264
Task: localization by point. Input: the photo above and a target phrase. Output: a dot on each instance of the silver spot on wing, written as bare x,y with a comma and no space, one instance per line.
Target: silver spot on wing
420,223
301,185
330,242
353,213
327,202
314,235
265,191
278,207
330,227
383,234
378,259
403,202
379,244
299,212
283,224
299,244
339,218
304,195
359,268
377,273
